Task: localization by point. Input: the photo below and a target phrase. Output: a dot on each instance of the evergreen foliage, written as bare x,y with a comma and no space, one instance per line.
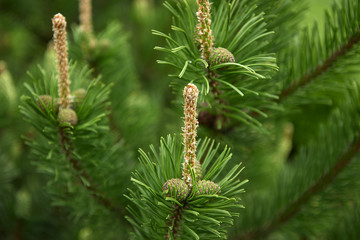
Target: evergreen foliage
70,155
337,49
285,99
201,215
240,30
305,187
108,53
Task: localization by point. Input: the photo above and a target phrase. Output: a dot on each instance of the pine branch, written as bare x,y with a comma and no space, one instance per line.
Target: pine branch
318,55
321,68
174,221
67,148
347,226
320,58
79,146
101,52
296,206
226,57
207,213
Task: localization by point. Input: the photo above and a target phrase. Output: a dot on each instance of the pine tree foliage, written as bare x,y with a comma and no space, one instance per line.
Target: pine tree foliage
70,155
199,216
24,206
282,17
307,186
314,71
326,59
103,52
178,197
295,127
109,54
243,84
348,223
72,169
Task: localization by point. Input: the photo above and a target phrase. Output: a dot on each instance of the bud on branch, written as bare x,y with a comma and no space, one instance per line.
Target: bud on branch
204,32
85,16
59,29
191,94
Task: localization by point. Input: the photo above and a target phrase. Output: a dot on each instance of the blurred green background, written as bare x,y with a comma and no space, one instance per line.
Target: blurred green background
25,32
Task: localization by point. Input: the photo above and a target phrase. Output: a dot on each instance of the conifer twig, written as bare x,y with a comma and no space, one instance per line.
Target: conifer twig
190,164
67,148
206,39
296,206
59,28
174,221
321,68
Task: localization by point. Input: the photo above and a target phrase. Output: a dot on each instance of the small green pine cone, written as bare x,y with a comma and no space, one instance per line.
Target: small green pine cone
221,55
67,115
78,97
176,188
207,187
46,102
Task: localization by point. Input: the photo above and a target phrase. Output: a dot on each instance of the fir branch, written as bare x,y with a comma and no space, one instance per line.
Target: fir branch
296,206
67,148
321,68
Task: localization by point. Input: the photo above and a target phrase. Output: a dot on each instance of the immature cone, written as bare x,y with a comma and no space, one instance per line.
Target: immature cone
85,16
191,94
176,188
46,102
59,29
78,97
67,115
207,187
221,55
203,30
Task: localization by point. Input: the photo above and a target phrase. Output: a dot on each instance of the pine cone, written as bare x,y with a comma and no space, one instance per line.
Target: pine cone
67,115
176,188
221,55
207,187
46,102
78,97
